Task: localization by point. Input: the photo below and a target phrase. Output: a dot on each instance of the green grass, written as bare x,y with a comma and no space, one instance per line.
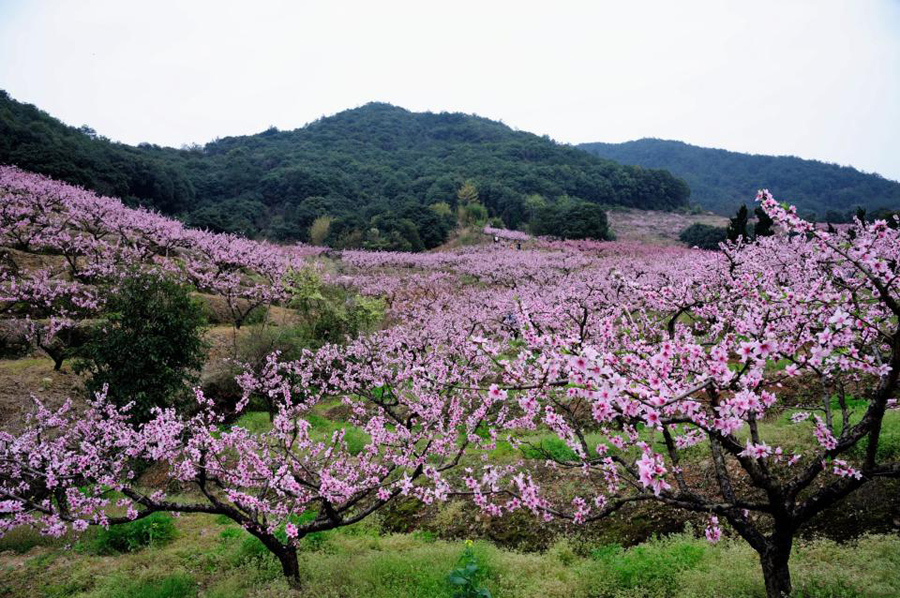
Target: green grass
23,539
177,585
781,431
321,429
889,442
217,561
256,422
16,366
654,567
154,530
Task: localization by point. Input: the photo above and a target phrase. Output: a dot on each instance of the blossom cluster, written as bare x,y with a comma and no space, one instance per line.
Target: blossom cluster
631,356
79,245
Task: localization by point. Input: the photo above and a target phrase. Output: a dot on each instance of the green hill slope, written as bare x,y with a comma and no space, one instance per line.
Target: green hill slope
377,167
33,140
721,180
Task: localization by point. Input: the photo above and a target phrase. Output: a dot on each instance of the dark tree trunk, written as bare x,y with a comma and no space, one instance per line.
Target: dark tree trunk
290,567
57,355
286,555
775,570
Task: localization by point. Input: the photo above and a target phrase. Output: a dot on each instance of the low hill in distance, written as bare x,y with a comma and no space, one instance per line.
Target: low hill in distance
722,180
372,173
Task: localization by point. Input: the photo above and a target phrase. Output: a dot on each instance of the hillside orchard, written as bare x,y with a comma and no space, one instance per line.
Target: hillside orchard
637,358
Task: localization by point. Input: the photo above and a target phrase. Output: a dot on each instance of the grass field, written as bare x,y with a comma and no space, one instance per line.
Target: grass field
210,557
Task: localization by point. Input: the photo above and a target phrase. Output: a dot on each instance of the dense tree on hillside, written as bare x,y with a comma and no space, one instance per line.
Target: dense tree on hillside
148,348
721,180
704,236
572,220
763,226
35,141
737,226
373,161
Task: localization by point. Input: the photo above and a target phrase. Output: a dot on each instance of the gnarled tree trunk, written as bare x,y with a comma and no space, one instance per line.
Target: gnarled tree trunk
290,567
286,555
776,574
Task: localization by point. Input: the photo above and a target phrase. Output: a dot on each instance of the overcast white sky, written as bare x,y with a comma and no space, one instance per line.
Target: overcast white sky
816,78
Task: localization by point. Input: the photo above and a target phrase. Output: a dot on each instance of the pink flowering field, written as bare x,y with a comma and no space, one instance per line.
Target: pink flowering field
601,418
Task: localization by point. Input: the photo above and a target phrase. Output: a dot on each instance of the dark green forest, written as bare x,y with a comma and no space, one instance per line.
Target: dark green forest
721,180
377,176
35,141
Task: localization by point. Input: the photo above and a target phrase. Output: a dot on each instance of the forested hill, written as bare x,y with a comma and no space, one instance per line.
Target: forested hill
721,180
375,174
34,140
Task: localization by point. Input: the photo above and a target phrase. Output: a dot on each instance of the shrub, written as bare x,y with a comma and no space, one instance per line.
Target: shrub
329,314
22,539
654,567
319,229
468,576
154,530
703,236
737,225
177,585
572,220
261,341
149,347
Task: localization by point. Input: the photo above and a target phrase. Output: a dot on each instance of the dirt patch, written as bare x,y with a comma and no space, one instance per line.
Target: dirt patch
22,378
23,261
218,313
661,228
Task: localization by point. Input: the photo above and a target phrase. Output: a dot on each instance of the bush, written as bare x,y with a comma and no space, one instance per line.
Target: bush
318,230
329,314
154,530
572,220
149,347
260,341
654,567
550,448
178,585
703,236
466,579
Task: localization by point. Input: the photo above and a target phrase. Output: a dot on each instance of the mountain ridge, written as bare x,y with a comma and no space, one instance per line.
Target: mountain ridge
372,172
721,180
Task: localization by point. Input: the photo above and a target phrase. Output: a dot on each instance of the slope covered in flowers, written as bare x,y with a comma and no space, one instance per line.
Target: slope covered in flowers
635,360
75,242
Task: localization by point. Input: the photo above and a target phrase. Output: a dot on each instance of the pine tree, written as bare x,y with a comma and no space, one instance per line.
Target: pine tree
737,226
763,226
